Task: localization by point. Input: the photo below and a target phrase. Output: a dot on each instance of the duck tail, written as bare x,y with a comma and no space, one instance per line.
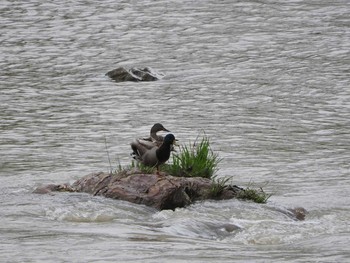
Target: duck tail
136,150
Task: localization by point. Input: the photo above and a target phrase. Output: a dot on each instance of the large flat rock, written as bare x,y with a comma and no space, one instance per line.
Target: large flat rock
160,191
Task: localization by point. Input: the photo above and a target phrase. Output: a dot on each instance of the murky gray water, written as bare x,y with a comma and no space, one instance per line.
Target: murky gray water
268,82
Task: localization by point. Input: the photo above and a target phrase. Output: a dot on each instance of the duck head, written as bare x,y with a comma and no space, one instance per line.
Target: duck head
158,127
169,139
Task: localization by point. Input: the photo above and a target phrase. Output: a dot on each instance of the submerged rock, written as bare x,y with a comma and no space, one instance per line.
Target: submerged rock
158,191
53,188
299,213
134,74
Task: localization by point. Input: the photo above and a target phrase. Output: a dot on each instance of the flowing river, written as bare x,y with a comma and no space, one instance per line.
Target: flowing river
267,81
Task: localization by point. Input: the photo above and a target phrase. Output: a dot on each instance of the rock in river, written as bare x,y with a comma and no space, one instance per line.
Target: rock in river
134,74
159,191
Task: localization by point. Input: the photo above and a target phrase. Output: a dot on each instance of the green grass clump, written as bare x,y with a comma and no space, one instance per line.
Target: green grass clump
256,195
195,160
218,186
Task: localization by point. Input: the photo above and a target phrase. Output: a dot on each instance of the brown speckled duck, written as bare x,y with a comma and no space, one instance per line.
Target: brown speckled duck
156,139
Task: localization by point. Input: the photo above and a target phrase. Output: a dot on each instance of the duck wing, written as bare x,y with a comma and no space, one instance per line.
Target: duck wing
140,147
146,139
155,140
145,144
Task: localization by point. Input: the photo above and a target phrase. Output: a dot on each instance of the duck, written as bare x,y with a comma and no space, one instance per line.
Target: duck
150,154
154,137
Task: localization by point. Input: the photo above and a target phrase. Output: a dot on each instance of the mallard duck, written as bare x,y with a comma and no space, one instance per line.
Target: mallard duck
156,139
151,155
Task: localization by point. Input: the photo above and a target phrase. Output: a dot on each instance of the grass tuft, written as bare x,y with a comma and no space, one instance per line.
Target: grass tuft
195,160
218,186
255,195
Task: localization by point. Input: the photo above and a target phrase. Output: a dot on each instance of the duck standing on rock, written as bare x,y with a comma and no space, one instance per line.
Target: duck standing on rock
153,155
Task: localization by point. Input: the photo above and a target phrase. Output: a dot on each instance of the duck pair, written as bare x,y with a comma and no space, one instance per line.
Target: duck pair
154,150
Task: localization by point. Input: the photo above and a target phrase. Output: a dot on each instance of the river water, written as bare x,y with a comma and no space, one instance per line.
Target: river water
267,81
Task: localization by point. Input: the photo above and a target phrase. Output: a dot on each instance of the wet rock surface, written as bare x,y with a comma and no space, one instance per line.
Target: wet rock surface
159,191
